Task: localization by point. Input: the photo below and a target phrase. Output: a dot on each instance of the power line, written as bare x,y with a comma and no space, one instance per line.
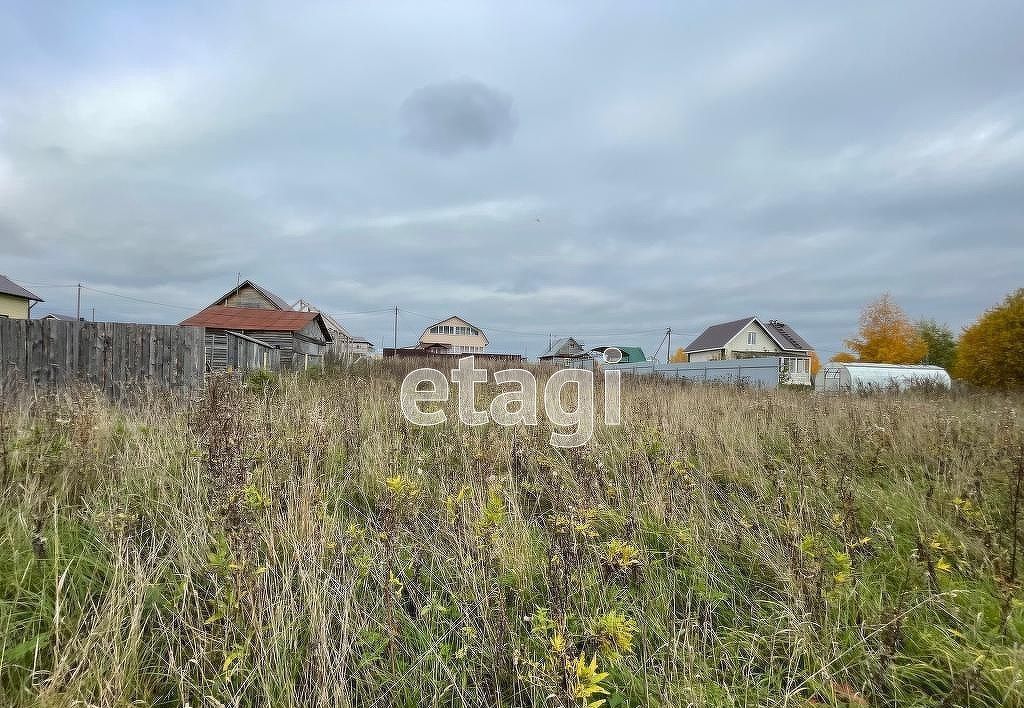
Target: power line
364,312
355,313
139,299
492,328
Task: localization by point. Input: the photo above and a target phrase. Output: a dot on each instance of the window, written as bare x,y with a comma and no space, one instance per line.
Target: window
751,338
795,365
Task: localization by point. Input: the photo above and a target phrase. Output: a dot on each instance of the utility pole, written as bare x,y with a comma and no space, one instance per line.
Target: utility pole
669,358
668,334
78,305
396,331
94,314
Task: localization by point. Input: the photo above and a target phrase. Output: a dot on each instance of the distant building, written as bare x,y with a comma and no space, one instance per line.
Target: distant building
57,316
749,337
15,301
262,318
630,354
567,352
453,336
249,294
343,342
302,337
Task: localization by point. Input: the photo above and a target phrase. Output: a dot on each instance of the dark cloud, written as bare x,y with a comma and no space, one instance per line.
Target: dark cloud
454,116
674,165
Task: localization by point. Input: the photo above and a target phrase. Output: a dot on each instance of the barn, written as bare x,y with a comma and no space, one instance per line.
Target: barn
302,338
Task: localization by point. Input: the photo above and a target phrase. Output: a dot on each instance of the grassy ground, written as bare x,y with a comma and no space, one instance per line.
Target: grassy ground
302,545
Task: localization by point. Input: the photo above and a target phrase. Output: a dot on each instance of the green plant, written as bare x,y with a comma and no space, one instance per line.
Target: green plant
306,546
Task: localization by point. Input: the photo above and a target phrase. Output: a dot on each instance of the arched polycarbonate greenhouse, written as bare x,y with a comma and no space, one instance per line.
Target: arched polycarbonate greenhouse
857,376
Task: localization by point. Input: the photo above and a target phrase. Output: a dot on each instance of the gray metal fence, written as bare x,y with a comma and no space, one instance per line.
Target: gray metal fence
761,372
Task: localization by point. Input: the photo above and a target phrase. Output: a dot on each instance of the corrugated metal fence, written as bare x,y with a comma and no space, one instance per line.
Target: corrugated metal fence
110,355
760,372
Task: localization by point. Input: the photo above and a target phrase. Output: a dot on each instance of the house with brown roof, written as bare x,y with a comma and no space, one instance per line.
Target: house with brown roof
15,301
751,337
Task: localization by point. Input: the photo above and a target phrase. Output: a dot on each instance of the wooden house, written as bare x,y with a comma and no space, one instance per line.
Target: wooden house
343,342
301,337
567,352
252,295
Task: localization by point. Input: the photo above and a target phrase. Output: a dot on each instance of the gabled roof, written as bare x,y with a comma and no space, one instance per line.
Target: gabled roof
446,320
273,298
790,339
9,287
719,335
57,316
338,332
564,347
629,354
252,319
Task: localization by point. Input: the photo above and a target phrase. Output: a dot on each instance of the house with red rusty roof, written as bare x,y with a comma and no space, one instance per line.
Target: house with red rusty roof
301,337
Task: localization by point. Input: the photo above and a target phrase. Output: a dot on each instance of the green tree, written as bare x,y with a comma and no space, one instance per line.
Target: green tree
990,352
941,343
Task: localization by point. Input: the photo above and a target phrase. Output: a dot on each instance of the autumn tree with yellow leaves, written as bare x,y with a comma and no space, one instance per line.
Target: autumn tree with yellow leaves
679,356
990,352
887,335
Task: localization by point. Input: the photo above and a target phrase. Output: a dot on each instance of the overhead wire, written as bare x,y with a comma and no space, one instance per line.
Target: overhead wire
493,328
382,310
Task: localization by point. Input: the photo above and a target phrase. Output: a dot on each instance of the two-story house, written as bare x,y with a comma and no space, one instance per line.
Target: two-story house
750,337
453,336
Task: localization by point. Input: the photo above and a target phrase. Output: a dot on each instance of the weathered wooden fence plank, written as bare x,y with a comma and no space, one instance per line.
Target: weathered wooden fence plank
110,355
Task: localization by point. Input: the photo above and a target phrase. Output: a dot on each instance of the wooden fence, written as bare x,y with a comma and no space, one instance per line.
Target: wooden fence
110,355
239,352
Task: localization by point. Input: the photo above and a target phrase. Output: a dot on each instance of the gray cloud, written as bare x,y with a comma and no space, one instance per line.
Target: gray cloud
451,117
673,165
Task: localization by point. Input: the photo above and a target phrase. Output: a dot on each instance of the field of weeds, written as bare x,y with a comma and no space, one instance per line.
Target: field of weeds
295,542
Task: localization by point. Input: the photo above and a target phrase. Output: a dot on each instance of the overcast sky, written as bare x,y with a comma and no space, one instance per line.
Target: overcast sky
570,168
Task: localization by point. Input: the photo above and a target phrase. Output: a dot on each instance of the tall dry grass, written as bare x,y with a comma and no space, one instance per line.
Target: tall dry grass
296,543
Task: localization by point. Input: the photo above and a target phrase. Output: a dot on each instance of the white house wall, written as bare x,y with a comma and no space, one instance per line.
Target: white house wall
762,343
706,356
